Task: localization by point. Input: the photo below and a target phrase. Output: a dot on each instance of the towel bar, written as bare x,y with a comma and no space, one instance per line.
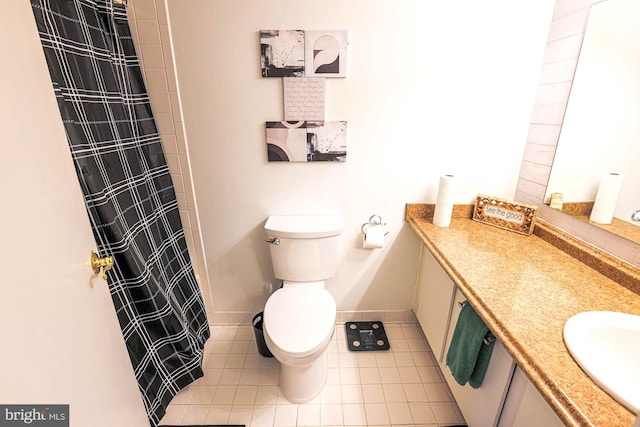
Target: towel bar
489,338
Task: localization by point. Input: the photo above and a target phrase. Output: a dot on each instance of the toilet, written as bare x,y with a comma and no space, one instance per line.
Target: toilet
299,318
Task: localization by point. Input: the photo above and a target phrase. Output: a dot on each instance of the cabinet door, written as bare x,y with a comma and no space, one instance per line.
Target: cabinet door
481,406
525,406
435,297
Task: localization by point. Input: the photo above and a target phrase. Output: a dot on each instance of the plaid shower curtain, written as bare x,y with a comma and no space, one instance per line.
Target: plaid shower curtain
128,192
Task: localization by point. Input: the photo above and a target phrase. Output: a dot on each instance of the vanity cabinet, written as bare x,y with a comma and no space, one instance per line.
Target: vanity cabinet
434,299
506,397
525,406
480,406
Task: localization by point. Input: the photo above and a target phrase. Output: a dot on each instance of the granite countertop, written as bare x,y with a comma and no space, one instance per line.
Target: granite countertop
525,289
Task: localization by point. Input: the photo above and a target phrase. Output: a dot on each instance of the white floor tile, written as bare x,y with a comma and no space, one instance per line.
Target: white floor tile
366,359
267,395
422,413
409,375
235,361
286,416
331,393
424,358
404,358
350,376
373,393
250,376
196,414
437,392
217,415
377,414
263,416
394,393
399,413
333,376
309,415
331,414
216,360
253,361
385,359
369,376
245,395
445,413
389,375
429,374
203,395
416,393
402,386
348,360
354,414
416,344
269,376
240,415
351,393
211,376
224,395
230,377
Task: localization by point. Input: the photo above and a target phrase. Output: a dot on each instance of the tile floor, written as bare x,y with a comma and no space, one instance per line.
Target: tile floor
402,386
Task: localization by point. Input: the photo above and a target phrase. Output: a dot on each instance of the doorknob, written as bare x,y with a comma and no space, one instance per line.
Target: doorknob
97,263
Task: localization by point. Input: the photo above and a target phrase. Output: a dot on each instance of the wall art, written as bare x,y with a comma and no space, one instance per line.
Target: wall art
306,141
303,98
326,53
282,53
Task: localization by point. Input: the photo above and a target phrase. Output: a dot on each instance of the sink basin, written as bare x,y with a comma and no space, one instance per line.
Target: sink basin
606,345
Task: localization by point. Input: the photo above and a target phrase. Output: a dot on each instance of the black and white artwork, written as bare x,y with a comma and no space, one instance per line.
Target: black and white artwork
306,141
326,53
327,141
282,53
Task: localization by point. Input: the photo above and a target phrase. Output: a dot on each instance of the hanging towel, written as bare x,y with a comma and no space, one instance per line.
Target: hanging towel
468,355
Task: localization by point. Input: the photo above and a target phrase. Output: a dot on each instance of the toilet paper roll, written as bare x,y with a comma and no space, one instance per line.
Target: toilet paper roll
444,201
373,236
607,198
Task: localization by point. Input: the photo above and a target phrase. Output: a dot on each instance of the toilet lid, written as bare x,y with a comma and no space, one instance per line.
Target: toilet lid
298,320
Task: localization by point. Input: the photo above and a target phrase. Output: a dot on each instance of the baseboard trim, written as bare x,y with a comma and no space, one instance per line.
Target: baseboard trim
386,316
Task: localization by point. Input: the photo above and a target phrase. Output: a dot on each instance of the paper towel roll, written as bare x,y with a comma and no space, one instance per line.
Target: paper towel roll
373,236
607,198
444,201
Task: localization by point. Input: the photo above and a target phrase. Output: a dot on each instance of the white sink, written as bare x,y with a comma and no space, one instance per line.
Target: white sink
606,345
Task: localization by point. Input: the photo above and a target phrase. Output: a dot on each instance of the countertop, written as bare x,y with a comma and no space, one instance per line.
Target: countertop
525,289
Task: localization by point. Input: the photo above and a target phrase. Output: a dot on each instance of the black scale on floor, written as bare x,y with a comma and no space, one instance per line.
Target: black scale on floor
366,336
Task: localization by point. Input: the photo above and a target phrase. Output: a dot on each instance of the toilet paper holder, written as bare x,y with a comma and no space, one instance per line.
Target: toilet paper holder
373,220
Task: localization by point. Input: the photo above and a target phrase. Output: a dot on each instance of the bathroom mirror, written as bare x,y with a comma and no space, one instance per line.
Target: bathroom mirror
601,131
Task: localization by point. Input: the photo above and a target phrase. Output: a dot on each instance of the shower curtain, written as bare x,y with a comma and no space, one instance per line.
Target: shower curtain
128,192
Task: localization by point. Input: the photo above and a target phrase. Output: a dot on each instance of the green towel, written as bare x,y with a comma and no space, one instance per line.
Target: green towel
468,356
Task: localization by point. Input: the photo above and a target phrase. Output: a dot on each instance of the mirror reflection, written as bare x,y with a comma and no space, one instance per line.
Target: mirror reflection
596,161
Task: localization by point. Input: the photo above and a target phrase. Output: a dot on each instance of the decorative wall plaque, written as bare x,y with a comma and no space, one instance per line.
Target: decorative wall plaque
505,214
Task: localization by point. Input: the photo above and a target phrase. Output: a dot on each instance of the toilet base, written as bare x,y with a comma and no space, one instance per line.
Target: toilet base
301,384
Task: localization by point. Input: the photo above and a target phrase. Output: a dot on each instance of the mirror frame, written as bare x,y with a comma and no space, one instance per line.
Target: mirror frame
566,34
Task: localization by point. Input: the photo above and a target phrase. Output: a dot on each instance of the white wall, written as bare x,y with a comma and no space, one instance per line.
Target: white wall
433,87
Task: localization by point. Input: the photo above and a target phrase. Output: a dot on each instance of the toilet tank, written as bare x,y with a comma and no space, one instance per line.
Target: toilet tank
306,248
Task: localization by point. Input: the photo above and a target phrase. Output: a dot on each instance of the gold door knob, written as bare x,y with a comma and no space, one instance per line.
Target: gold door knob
101,263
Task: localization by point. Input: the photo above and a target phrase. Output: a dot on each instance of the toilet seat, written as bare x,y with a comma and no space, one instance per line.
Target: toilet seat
300,320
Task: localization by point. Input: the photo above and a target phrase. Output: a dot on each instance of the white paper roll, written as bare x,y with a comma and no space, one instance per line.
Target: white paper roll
607,198
444,201
373,236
